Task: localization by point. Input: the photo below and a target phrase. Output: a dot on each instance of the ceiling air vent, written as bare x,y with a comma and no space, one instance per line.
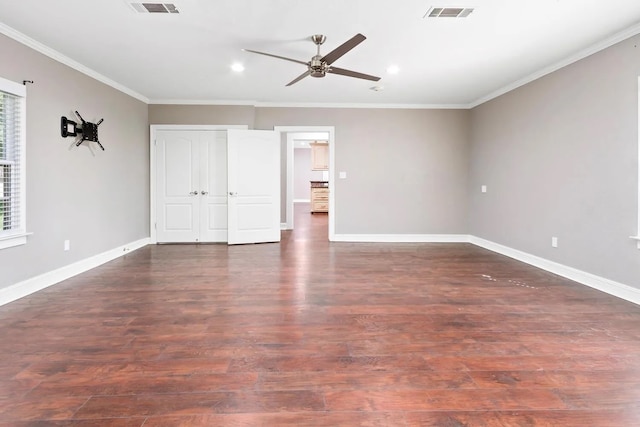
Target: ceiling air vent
154,7
448,12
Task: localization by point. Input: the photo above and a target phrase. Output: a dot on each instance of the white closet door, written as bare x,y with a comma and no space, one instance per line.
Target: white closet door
177,180
213,188
253,160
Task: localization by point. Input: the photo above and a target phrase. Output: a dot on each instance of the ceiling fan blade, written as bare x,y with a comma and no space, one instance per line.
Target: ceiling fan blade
349,73
300,77
345,47
276,56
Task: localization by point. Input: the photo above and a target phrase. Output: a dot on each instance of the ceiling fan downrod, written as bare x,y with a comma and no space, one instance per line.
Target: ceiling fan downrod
317,68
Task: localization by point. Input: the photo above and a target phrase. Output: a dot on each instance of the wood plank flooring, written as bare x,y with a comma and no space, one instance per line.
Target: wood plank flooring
312,333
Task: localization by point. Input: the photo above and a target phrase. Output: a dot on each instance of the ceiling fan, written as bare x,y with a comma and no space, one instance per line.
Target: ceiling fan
320,65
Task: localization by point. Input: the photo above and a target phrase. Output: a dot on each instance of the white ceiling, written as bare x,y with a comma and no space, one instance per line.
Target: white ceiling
453,62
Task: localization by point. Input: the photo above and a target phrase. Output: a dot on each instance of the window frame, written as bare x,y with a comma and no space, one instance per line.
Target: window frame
18,236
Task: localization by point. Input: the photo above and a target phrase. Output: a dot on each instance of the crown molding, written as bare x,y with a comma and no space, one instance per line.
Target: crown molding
57,56
259,104
602,45
363,105
202,102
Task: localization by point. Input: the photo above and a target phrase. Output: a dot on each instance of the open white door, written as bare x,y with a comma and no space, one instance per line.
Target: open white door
253,169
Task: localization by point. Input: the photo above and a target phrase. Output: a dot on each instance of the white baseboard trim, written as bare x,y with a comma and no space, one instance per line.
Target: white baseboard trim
283,226
402,238
610,287
29,286
301,200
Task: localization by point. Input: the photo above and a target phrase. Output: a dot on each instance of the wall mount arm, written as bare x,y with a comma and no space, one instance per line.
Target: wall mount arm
86,131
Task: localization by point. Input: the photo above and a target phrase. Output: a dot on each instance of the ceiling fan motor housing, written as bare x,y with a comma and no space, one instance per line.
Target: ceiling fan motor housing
317,67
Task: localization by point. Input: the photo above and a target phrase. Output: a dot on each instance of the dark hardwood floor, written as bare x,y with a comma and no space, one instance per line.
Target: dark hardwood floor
310,333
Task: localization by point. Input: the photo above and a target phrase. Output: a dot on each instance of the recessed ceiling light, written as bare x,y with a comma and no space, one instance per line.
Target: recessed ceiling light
237,67
393,69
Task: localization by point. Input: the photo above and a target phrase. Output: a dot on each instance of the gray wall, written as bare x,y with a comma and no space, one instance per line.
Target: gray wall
97,200
560,158
407,170
201,115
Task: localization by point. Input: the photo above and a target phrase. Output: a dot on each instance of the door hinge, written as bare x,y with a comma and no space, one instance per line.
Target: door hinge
155,225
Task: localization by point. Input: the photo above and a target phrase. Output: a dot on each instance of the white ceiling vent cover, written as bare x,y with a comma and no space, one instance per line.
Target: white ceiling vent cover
448,12
154,7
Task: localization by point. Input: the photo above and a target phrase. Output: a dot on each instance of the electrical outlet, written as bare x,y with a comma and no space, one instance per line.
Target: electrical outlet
67,245
554,242
483,188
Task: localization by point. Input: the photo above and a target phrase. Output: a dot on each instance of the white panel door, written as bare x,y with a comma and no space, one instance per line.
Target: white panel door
177,180
253,161
213,188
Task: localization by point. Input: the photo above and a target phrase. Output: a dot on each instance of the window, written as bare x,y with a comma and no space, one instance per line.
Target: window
12,166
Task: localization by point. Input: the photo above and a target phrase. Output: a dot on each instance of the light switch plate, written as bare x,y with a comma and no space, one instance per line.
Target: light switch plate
343,175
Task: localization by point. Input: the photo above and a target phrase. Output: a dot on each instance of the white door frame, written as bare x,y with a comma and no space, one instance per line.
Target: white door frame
332,200
152,164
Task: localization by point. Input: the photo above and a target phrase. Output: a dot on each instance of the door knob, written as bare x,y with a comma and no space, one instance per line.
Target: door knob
233,193
193,193
204,193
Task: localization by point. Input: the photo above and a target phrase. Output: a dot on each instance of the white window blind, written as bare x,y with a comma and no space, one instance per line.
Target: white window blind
12,194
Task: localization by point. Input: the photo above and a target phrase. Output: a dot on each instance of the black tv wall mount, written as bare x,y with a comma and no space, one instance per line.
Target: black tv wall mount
88,131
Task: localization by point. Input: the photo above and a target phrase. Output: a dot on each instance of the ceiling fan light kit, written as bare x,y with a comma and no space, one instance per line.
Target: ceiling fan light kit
320,65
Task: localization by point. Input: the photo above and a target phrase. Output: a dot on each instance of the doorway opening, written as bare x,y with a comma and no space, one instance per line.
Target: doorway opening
307,134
